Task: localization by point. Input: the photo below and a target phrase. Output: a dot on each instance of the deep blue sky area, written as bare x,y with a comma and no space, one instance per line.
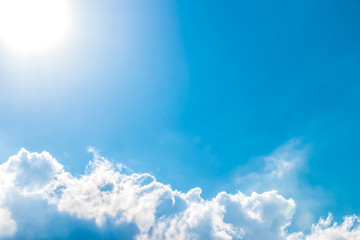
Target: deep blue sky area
192,90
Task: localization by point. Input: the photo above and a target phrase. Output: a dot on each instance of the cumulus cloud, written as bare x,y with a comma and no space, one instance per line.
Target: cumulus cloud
326,229
30,172
7,224
110,202
284,170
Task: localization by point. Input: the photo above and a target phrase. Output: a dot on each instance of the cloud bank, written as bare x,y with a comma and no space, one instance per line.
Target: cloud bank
39,199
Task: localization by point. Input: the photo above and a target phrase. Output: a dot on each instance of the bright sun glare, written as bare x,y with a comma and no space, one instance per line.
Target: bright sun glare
33,26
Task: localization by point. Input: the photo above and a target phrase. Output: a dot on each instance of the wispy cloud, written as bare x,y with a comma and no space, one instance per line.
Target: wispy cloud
284,170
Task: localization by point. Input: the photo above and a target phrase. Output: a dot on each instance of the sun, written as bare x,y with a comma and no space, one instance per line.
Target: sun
34,26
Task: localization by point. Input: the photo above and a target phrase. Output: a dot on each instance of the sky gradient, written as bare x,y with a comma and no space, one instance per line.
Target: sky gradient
249,96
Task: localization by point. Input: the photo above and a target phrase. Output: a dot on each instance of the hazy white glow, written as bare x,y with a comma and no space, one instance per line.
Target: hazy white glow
33,26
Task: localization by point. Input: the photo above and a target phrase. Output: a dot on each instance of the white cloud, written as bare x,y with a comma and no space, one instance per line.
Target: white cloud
25,173
7,224
284,170
230,216
163,213
326,229
108,194
30,172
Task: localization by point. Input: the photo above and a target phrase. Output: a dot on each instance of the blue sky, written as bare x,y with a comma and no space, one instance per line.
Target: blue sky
198,93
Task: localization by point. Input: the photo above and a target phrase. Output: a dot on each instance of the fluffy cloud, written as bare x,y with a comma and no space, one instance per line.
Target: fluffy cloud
30,172
284,170
138,206
160,212
326,230
7,224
